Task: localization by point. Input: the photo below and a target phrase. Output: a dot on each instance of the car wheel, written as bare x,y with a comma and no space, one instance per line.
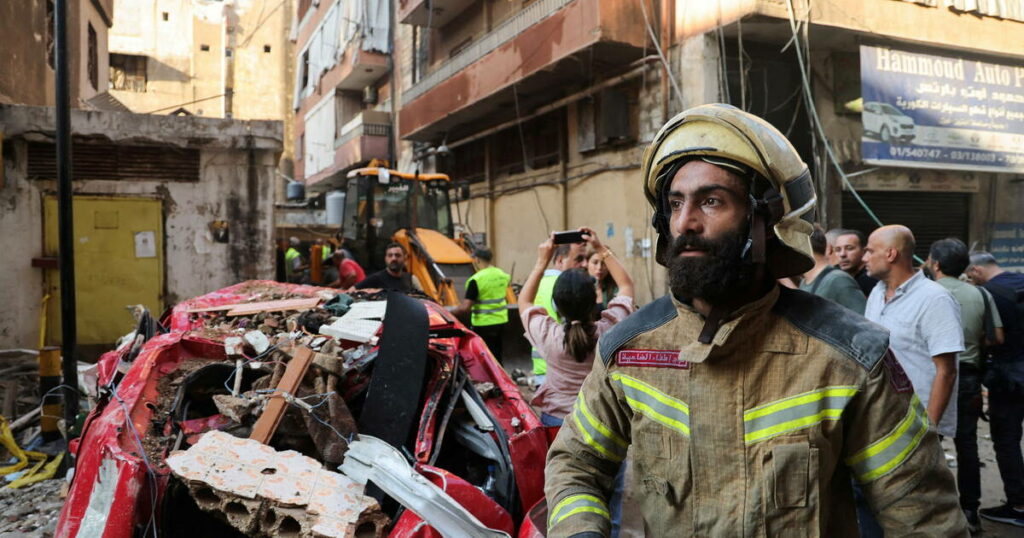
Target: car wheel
885,135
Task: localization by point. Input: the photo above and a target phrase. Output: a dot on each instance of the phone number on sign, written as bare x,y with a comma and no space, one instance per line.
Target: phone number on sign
955,155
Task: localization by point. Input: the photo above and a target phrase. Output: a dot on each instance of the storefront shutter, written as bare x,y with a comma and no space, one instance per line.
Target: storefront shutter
930,215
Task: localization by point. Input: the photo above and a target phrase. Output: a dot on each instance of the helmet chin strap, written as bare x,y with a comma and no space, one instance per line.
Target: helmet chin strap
763,213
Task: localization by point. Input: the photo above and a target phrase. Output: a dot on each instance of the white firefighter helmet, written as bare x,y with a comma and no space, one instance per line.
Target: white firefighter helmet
782,193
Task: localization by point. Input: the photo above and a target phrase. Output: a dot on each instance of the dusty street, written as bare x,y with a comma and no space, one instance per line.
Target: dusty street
991,485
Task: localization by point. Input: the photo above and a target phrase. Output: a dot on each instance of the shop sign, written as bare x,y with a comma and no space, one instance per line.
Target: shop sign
1008,244
941,111
892,179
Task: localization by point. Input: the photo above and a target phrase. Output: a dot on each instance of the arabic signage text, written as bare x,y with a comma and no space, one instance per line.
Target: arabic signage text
942,112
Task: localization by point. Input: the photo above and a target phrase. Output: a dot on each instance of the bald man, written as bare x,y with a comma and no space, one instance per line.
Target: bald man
923,321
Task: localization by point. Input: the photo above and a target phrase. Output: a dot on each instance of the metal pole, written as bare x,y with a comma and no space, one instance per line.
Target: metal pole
65,223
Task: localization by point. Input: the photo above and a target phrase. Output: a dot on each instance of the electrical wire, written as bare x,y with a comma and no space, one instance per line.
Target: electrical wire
816,121
145,460
661,54
743,72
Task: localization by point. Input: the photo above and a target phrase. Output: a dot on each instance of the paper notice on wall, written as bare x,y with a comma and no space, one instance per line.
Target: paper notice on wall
145,245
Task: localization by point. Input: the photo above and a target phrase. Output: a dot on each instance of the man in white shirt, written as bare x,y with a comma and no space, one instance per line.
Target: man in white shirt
923,321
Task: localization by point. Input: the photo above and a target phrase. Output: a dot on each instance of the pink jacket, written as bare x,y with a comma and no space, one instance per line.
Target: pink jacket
565,376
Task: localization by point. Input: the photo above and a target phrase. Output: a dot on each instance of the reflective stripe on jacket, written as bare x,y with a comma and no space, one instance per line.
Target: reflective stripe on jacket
491,304
757,434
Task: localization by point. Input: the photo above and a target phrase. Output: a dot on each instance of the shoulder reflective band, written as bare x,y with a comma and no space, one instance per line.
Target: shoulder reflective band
892,450
577,504
795,413
654,404
596,434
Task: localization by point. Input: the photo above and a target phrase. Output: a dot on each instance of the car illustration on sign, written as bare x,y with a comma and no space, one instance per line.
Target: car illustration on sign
887,123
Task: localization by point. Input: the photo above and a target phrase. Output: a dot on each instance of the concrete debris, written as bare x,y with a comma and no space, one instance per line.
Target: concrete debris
266,493
235,408
356,330
233,346
32,511
257,340
487,390
359,324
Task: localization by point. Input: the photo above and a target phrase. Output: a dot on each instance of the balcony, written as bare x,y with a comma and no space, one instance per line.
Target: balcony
363,138
532,57
415,11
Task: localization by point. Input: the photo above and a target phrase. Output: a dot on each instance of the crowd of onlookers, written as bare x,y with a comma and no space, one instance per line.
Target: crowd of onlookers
955,324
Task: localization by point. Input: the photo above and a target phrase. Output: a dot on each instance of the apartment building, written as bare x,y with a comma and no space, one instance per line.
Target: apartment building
545,107
27,59
341,94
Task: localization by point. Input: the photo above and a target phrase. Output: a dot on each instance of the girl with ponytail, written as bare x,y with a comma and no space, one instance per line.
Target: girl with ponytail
568,346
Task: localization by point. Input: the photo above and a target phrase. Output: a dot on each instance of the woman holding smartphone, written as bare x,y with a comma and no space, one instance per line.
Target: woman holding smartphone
569,347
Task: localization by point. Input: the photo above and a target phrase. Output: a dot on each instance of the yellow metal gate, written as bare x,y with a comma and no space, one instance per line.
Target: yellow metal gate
119,262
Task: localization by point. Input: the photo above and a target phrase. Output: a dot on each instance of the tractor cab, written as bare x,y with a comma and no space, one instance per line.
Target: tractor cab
379,202
384,206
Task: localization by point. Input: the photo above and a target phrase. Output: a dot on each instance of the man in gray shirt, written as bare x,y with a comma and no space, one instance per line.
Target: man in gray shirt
923,321
947,260
829,282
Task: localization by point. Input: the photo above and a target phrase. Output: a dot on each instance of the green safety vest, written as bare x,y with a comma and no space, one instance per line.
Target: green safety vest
491,304
289,257
543,298
325,251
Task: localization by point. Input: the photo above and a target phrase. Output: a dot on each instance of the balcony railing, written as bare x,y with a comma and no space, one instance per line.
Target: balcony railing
505,32
367,123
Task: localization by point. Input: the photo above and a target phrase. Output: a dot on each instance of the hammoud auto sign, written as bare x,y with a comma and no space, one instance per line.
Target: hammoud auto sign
941,111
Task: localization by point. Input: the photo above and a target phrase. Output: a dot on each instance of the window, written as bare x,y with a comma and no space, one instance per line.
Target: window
227,52
94,68
204,48
166,16
266,48
49,33
304,67
128,72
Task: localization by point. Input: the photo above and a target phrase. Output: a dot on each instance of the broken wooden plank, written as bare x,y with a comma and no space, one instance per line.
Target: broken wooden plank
10,398
274,306
266,425
243,309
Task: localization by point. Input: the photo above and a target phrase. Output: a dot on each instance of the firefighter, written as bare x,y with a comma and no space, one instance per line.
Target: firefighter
749,407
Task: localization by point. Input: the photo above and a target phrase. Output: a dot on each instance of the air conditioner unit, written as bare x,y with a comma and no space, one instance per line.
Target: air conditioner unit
370,95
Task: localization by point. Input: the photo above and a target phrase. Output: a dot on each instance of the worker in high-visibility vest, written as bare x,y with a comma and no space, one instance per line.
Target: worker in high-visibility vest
293,263
486,301
568,256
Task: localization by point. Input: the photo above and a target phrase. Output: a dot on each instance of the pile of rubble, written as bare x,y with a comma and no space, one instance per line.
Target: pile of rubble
31,511
303,412
266,425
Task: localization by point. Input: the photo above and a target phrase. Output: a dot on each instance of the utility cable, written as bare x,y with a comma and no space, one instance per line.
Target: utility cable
816,120
661,54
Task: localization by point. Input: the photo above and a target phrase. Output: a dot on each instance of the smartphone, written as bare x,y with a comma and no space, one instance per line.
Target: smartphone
574,236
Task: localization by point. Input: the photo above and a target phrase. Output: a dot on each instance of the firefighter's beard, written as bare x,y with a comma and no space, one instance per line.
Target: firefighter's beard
718,277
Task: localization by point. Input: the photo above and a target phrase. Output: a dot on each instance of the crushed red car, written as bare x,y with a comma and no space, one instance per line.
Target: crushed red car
232,416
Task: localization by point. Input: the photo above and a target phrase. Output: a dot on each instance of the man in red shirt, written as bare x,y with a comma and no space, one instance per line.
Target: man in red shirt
348,271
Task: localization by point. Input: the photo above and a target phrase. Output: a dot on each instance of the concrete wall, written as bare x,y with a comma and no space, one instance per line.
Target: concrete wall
237,169
25,76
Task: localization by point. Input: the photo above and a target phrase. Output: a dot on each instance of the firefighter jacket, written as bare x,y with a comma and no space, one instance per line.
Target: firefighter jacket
759,433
